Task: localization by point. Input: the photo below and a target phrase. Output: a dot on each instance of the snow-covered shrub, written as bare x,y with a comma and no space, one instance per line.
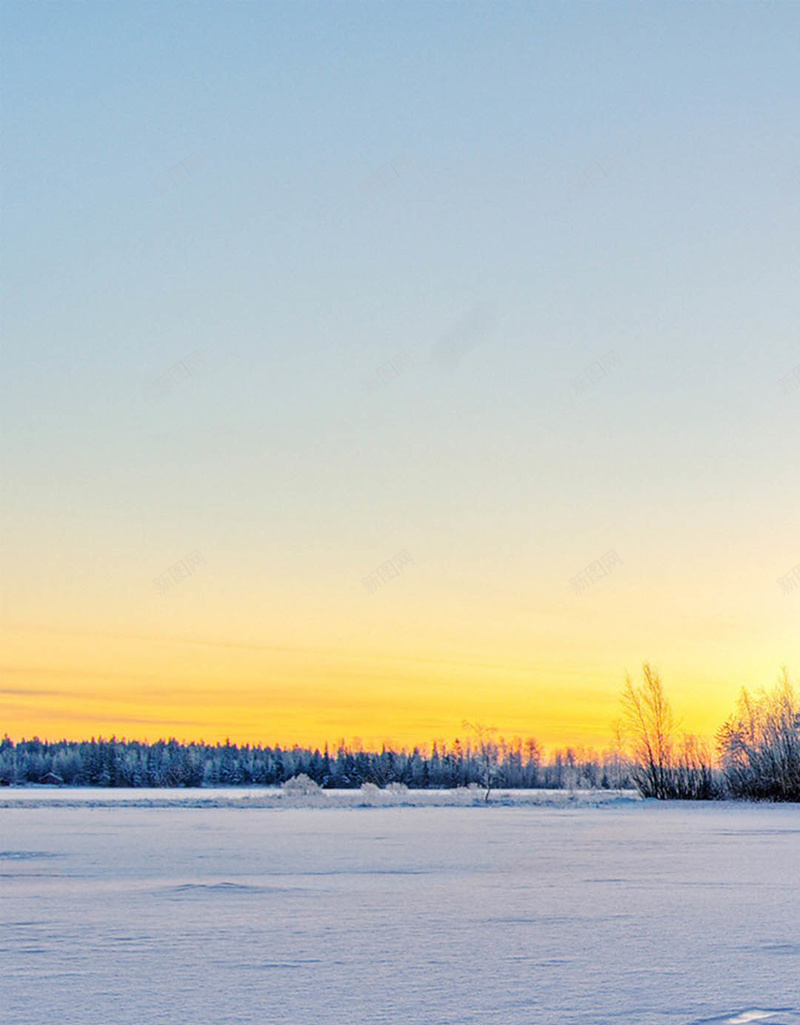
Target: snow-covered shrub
300,785
371,795
397,789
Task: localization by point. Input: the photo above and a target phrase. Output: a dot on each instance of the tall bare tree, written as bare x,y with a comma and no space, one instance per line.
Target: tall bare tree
647,718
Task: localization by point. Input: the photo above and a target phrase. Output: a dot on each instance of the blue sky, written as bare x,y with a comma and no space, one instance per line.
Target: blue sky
299,263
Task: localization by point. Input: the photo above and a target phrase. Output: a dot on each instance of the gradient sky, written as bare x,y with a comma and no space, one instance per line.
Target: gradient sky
500,259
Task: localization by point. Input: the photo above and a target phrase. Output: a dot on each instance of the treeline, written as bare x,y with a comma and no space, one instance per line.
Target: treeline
515,764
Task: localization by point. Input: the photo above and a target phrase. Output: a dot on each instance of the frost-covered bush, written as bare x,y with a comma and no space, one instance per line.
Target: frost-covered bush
760,745
371,795
300,785
302,792
397,789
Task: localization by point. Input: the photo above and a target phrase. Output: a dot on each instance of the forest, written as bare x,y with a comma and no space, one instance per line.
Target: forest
120,763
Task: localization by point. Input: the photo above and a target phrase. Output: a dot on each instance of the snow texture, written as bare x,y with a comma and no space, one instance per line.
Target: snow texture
628,912
299,794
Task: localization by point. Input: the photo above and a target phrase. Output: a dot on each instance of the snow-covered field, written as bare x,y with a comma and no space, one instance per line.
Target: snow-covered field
626,912
366,796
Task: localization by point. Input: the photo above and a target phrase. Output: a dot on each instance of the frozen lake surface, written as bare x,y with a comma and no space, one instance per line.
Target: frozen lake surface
630,912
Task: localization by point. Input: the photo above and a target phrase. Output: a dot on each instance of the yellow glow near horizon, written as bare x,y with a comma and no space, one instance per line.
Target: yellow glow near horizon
310,661
76,685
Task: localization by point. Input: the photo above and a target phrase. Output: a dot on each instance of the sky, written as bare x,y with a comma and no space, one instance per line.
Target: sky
371,367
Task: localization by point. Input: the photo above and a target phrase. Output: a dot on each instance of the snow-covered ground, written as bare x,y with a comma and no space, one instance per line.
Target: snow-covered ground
630,912
297,796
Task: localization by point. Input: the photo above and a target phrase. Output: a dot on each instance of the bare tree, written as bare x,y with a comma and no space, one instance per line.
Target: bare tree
487,753
693,774
647,717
